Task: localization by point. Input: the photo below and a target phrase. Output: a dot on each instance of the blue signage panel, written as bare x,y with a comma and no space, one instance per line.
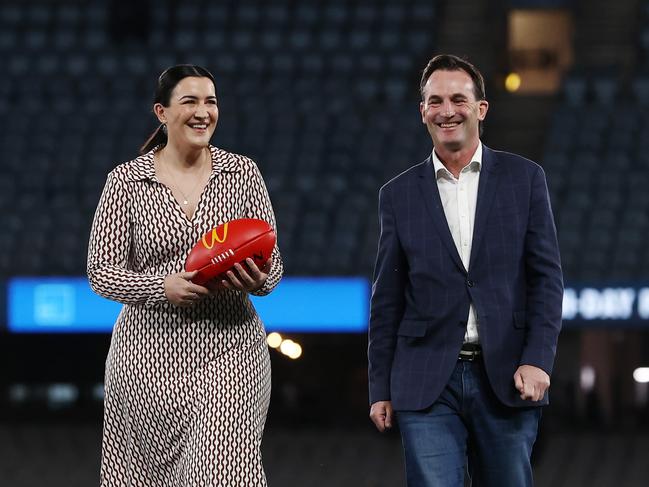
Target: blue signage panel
57,305
605,305
320,305
298,304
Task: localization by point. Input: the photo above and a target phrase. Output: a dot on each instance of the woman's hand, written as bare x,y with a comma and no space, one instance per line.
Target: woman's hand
247,280
181,291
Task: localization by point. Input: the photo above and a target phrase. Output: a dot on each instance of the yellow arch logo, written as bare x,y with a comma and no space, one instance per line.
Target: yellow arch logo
215,237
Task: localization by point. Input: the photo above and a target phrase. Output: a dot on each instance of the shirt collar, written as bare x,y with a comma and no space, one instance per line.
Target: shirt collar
143,167
475,163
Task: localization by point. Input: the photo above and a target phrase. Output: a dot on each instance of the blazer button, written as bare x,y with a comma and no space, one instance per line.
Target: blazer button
470,283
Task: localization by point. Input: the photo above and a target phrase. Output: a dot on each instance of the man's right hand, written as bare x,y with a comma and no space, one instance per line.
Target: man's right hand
381,415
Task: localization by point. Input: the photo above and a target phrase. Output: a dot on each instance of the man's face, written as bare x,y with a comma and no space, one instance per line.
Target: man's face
450,110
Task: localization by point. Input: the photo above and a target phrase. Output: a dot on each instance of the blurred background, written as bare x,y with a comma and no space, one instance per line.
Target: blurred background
324,96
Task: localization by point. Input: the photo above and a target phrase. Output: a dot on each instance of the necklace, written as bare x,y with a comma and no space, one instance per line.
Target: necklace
186,197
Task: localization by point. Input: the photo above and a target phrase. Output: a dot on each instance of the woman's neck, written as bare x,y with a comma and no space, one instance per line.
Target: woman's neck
184,158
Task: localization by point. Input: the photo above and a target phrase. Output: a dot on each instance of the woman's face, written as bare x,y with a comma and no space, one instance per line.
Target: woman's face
192,113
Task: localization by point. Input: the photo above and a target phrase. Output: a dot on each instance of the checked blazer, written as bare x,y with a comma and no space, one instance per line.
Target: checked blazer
421,291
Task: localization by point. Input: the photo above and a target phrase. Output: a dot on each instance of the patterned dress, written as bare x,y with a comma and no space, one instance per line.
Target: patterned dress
186,389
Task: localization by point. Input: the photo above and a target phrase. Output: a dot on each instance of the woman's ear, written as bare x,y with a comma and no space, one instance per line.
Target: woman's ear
159,111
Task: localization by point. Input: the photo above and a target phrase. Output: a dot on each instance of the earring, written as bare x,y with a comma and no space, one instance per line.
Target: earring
164,128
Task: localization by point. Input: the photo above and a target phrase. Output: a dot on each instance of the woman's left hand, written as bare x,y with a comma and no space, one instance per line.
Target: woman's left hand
247,280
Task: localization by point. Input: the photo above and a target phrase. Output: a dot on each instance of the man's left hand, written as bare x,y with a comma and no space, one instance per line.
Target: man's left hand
531,382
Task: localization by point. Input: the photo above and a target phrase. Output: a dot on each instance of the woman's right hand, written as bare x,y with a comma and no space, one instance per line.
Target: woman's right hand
181,291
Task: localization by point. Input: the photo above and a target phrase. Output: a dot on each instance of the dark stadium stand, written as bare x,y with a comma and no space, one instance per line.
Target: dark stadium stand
322,96
315,94
598,172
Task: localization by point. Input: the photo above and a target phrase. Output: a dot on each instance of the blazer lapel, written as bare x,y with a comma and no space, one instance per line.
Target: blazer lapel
430,195
487,188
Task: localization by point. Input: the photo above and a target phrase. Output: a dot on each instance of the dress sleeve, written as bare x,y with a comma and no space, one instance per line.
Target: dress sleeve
109,251
259,206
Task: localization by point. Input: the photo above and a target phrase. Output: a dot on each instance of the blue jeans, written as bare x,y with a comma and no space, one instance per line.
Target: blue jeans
468,423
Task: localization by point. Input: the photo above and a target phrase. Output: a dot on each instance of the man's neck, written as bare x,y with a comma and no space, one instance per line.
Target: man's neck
455,161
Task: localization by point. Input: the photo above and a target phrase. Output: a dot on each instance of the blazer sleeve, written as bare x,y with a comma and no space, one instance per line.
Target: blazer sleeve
544,280
387,301
109,251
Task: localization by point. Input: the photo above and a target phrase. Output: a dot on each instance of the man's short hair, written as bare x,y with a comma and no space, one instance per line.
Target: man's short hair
449,62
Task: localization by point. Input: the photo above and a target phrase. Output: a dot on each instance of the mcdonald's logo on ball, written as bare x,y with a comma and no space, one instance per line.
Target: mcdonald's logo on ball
214,236
231,242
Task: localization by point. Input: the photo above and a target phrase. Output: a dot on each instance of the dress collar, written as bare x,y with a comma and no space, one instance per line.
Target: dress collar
142,168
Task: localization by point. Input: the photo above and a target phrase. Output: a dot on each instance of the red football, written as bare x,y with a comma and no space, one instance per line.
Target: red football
227,244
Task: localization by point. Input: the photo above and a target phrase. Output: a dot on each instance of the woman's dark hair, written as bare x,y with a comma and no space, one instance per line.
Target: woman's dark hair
167,81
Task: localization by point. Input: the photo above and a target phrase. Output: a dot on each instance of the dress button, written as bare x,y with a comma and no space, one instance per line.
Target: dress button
470,283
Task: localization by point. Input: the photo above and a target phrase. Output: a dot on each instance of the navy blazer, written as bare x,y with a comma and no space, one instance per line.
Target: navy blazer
421,290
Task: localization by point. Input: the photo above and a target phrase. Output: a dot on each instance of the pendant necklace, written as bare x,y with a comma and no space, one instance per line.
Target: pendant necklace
186,198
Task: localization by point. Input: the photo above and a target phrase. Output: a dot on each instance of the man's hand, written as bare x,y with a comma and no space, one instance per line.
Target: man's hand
381,415
531,382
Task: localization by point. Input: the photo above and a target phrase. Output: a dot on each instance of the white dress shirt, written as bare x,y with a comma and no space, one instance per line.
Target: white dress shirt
459,198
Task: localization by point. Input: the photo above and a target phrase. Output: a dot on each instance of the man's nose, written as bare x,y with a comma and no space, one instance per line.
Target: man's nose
447,109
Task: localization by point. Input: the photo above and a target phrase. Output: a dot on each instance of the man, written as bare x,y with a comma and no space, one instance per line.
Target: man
466,301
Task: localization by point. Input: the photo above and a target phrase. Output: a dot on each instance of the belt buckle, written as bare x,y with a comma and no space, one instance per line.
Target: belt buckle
469,355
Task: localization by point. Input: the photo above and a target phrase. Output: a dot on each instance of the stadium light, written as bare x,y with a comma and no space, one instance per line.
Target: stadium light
274,339
641,375
512,82
291,349
587,378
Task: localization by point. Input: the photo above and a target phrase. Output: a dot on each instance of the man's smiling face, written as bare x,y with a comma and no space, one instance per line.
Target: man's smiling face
450,110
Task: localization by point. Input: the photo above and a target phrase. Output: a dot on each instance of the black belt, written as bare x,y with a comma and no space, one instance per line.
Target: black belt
470,352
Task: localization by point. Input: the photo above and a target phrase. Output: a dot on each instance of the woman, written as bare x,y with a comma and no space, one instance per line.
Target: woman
188,372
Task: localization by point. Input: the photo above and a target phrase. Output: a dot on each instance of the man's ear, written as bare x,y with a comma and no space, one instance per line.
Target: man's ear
422,109
483,108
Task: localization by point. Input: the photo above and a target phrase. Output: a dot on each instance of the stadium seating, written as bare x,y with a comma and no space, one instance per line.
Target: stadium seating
597,171
321,95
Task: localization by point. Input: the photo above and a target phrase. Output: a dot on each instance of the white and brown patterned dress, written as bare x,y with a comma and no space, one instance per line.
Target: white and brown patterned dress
186,389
